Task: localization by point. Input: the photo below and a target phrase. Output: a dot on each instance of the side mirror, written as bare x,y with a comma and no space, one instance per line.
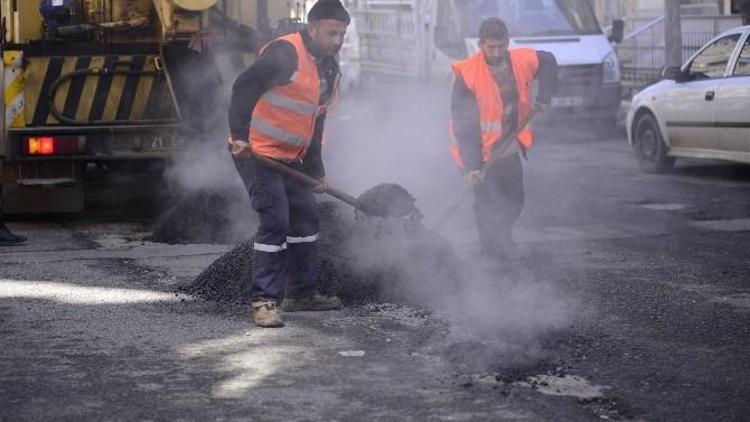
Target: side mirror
618,31
674,73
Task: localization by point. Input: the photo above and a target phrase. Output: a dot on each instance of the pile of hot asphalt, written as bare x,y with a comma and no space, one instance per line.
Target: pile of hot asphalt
363,259
205,216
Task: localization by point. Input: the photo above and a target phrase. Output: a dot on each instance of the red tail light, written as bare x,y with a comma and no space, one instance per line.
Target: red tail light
54,145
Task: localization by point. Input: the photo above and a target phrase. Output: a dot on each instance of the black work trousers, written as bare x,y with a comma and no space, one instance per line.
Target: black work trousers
286,244
498,202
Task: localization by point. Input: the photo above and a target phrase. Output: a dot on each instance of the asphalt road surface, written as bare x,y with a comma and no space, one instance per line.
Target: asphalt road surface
631,302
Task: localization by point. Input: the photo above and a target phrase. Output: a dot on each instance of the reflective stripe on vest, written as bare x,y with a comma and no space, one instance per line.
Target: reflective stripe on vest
283,120
300,107
478,78
277,133
492,126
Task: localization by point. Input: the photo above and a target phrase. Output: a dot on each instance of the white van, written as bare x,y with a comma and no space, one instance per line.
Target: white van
421,38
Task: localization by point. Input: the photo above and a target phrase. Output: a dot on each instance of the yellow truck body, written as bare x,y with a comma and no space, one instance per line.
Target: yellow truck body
108,83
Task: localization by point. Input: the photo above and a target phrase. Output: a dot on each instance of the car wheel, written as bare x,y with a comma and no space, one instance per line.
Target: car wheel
649,146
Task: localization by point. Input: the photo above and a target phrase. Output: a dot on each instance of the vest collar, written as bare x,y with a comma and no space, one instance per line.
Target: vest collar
484,60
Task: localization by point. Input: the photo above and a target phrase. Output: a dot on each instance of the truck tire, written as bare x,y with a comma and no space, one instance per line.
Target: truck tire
649,146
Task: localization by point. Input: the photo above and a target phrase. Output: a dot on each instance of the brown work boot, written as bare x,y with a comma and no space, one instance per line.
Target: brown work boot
316,302
266,314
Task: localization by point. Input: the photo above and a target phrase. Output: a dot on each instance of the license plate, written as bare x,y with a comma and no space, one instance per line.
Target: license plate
162,143
567,101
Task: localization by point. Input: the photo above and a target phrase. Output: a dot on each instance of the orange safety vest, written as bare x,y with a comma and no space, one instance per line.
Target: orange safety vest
478,78
283,121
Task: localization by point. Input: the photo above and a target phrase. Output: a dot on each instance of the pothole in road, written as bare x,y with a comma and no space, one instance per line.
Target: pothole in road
558,383
567,385
586,394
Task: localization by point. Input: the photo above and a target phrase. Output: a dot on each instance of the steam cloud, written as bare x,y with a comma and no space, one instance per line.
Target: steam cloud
397,133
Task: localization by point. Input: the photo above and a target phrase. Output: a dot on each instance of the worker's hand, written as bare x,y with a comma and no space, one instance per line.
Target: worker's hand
541,107
322,187
240,149
475,178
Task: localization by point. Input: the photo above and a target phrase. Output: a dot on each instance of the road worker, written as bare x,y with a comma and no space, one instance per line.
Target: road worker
492,97
278,110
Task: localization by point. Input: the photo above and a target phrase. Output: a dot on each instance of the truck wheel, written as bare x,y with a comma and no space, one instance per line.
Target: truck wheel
649,146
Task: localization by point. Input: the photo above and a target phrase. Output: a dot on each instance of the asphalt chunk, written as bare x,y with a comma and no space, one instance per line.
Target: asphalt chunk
387,200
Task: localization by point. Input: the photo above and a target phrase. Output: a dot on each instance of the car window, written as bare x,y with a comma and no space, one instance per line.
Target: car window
743,63
712,61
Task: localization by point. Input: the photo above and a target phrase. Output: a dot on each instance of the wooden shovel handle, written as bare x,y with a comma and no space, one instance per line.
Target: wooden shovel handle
301,177
498,152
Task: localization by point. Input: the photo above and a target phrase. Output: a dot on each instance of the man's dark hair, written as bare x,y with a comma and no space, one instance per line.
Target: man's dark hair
328,9
493,28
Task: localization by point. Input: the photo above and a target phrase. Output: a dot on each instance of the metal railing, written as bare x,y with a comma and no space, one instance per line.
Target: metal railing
642,51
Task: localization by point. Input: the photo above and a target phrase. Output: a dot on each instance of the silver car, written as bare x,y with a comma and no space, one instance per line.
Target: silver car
701,110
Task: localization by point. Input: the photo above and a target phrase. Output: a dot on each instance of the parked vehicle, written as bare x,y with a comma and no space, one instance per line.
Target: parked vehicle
422,38
700,110
98,88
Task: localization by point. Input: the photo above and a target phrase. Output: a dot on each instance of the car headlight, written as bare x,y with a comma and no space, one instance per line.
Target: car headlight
611,69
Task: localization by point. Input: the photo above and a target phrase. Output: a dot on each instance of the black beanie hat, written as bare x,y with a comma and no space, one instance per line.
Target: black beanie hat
328,9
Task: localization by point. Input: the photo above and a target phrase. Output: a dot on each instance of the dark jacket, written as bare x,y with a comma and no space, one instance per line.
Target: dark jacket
465,110
275,68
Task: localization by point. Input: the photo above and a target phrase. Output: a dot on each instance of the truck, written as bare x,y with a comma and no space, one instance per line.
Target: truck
420,39
94,87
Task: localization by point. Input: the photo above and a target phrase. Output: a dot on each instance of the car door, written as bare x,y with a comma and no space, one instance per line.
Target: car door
733,104
689,108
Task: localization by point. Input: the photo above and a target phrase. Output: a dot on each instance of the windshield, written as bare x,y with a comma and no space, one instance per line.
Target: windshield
529,17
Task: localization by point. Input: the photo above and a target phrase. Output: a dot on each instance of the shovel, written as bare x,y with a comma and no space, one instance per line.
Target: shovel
312,182
497,153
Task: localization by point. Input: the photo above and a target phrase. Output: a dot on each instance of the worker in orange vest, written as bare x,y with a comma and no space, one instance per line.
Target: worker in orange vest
277,110
491,98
